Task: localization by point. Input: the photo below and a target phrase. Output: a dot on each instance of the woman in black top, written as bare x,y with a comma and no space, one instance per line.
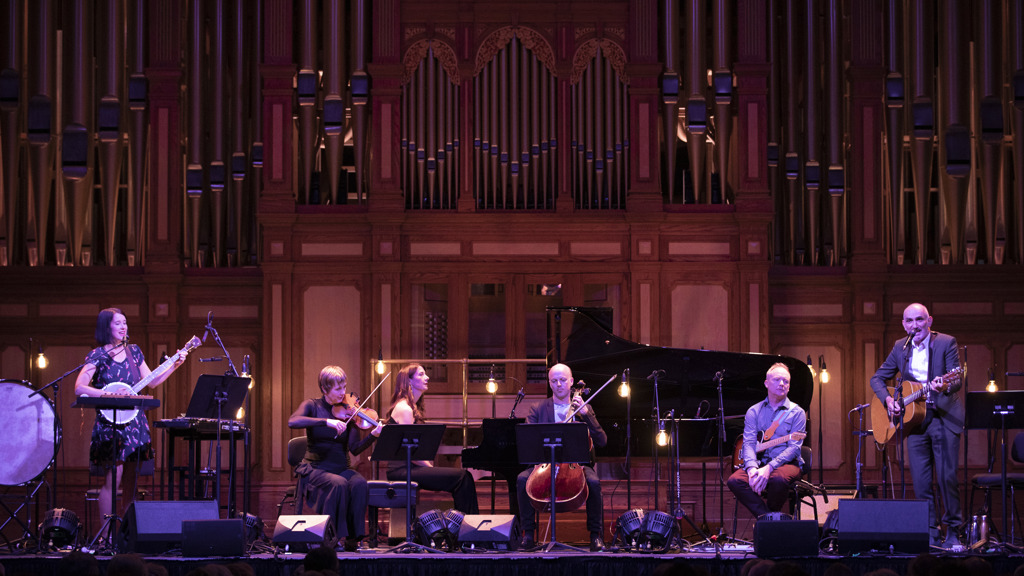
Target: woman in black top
341,491
407,408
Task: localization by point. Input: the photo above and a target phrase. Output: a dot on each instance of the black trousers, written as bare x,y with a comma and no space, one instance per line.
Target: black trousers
458,482
343,497
595,505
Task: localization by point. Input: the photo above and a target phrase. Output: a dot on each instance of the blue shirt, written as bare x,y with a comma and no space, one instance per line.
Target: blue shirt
759,418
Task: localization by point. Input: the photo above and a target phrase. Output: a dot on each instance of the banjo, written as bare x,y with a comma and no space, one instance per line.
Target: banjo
121,389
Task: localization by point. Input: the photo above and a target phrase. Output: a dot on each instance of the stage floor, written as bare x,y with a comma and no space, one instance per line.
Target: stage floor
728,561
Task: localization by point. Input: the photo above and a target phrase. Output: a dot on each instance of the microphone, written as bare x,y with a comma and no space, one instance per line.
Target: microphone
860,407
656,374
910,338
209,324
212,359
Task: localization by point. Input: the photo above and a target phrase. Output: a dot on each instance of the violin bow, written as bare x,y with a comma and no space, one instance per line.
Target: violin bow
359,405
592,396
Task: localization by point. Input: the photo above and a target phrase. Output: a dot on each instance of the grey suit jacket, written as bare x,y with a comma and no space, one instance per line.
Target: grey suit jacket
943,357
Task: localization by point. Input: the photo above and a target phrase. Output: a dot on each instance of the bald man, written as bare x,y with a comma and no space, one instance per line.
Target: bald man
934,446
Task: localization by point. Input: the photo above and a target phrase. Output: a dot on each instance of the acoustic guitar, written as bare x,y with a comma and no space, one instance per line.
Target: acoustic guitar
737,455
884,425
121,389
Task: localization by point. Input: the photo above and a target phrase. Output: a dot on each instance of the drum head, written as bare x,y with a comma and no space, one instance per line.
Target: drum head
29,443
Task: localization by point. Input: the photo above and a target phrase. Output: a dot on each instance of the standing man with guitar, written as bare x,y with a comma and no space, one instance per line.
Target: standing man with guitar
117,362
929,365
772,472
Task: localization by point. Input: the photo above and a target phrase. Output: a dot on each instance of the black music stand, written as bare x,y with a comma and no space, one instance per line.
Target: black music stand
408,442
986,411
213,396
114,404
553,444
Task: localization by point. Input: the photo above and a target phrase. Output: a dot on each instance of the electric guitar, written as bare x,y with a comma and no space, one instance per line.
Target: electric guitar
737,456
884,424
121,389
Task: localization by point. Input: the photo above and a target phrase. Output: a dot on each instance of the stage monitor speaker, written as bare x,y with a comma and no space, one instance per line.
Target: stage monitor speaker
156,526
785,538
203,538
303,531
882,525
490,532
806,512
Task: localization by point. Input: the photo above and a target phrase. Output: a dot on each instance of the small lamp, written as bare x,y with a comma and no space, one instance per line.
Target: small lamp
41,360
662,437
624,386
810,366
492,386
991,387
825,377
380,361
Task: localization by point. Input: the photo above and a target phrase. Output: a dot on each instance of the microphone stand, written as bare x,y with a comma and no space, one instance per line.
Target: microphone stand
861,434
719,377
56,426
221,396
900,450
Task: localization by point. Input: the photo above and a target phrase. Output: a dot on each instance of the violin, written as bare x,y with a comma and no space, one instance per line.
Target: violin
349,409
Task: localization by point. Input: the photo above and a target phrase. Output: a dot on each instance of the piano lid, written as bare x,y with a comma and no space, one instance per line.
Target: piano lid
582,339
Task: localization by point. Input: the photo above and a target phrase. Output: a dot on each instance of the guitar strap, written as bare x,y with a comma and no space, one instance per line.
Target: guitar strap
771,429
136,375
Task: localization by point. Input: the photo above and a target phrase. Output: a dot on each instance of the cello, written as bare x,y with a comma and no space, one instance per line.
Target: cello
571,489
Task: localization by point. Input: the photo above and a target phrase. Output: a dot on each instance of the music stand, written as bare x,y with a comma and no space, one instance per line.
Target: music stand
408,442
212,397
553,444
986,409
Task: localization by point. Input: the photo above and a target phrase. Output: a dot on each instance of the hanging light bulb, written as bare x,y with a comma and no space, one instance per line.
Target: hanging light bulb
240,414
624,387
41,361
825,377
991,387
492,386
810,365
662,437
380,361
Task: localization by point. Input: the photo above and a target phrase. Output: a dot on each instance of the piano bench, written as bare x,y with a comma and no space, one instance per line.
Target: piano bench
387,494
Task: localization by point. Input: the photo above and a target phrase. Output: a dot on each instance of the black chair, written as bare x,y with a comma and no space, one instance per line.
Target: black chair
296,494
993,481
803,491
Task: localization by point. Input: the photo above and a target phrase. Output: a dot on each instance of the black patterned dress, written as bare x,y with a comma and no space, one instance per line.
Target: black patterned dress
133,440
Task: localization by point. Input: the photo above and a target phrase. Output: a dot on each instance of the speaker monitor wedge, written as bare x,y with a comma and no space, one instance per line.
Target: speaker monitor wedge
883,525
303,531
490,531
203,538
785,538
156,526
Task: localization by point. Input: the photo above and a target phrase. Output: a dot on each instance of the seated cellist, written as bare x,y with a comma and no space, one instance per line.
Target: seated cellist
552,410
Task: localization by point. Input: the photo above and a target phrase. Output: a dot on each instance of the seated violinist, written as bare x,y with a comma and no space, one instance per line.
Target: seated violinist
557,409
342,492
770,474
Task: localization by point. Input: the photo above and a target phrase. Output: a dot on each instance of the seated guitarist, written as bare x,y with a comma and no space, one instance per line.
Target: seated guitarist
764,481
925,356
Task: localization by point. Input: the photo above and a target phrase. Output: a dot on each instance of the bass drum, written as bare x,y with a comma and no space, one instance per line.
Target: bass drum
30,442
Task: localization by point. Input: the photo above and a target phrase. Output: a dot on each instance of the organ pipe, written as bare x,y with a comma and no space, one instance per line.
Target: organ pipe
812,164
76,147
919,49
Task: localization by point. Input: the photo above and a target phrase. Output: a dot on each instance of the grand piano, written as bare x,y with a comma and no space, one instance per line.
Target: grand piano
582,338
